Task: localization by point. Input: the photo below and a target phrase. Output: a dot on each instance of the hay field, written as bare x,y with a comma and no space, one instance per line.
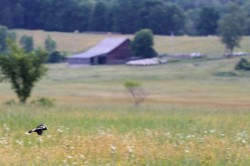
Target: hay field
195,114
77,42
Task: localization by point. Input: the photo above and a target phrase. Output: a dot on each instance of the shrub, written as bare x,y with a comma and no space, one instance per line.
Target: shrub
44,101
243,64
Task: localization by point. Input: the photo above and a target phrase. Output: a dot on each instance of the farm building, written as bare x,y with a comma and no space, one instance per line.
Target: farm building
108,51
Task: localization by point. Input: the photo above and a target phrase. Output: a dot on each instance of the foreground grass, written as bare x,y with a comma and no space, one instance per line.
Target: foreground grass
196,113
122,135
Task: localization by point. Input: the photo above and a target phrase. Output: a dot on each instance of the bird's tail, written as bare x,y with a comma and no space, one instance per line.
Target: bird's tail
31,131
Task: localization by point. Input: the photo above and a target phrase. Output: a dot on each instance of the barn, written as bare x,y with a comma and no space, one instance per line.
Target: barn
108,51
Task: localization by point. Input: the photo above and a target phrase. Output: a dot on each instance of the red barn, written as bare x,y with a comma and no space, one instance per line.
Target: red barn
108,51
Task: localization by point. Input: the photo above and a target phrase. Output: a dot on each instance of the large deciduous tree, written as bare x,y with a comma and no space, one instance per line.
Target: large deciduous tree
143,42
207,21
22,70
232,27
99,17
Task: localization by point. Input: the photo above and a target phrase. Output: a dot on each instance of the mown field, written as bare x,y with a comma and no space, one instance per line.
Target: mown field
196,113
77,42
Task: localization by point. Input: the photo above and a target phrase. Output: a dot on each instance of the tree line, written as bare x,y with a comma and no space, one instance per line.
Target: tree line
163,17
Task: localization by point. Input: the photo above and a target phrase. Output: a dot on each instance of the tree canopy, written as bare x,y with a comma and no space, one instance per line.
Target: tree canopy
232,27
123,16
142,44
22,69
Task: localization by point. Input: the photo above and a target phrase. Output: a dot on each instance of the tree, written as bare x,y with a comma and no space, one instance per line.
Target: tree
50,45
207,22
232,27
136,91
99,17
4,35
27,43
175,19
243,64
22,70
142,45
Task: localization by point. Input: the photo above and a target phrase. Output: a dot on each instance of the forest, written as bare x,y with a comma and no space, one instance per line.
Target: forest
163,17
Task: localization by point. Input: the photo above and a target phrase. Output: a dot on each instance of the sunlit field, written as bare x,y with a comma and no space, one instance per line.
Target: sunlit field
78,42
196,113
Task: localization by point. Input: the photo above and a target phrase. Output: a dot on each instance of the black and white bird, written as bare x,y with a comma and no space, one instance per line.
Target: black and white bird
39,129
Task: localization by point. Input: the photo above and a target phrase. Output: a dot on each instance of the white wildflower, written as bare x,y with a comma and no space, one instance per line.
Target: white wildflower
130,149
70,157
112,148
19,142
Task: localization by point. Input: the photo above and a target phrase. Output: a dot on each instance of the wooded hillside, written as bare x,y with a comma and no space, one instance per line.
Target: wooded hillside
162,16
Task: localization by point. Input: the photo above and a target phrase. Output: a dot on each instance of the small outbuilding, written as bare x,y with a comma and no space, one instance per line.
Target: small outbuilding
108,51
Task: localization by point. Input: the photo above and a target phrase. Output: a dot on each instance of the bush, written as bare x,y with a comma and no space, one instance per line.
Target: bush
10,102
243,64
55,57
44,101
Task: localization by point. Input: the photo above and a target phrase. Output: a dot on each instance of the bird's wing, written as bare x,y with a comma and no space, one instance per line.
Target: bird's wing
39,132
41,125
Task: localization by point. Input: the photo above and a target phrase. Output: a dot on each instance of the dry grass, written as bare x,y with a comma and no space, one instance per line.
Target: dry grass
77,42
115,135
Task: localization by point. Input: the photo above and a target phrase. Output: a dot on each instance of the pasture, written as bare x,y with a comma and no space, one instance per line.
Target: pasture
77,42
196,113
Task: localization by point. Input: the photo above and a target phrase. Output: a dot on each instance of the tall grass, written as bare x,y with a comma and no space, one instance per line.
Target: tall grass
114,135
191,116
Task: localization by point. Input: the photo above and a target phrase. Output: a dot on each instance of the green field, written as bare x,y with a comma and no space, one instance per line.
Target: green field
196,113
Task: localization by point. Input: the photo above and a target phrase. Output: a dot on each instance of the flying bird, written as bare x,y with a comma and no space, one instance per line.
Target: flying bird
39,129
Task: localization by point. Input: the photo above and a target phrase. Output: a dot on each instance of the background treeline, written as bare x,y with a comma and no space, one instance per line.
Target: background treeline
123,16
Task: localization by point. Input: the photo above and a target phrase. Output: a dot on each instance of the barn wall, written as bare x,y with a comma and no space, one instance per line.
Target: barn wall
78,61
120,54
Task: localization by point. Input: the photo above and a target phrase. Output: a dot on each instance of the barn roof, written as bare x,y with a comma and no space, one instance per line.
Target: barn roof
105,46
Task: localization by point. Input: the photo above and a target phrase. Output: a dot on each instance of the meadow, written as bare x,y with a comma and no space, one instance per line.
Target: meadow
196,113
77,42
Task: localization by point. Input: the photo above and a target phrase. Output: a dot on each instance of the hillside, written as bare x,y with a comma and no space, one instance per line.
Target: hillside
77,42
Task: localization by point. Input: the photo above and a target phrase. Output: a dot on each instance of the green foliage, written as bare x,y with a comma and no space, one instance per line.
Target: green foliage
22,70
44,101
4,35
50,44
175,19
232,27
131,84
99,17
10,102
142,44
55,57
124,16
27,43
243,64
207,22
